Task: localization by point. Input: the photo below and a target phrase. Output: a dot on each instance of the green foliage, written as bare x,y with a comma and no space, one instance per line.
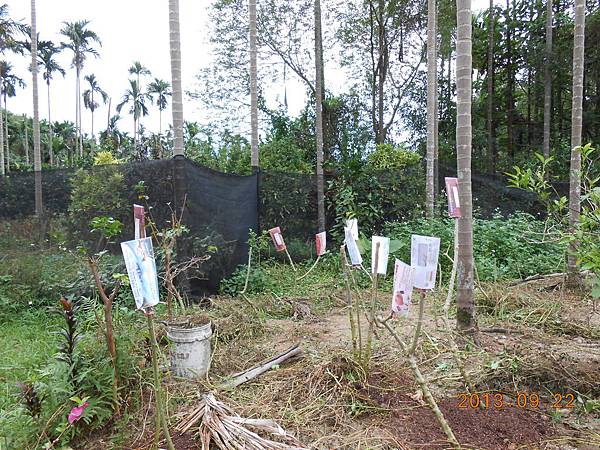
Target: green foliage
504,248
108,227
388,157
98,192
258,281
105,157
375,197
535,180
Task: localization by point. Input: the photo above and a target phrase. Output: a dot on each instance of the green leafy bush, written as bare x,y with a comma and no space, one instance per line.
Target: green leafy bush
96,193
388,157
504,248
258,281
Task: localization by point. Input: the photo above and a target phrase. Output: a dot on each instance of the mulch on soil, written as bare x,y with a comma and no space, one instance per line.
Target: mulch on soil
414,423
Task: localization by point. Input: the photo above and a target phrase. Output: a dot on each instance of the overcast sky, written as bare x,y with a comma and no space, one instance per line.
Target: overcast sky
130,30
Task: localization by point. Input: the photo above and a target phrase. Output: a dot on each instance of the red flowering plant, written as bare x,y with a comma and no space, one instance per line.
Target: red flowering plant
67,429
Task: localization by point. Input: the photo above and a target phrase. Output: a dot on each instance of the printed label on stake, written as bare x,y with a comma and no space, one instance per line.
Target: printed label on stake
139,222
352,224
424,254
384,252
277,238
355,257
141,269
321,243
453,198
403,287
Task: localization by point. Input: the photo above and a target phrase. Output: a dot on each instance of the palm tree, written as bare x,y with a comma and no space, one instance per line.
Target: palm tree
138,69
465,316
88,97
37,153
112,133
491,140
576,124
66,134
8,28
80,41
319,89
175,51
137,101
160,89
47,51
8,88
547,80
431,101
253,87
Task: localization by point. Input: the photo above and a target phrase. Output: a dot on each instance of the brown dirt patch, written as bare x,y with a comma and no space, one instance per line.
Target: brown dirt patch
412,422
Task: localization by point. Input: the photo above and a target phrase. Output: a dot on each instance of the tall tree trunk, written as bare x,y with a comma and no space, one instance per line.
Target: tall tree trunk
490,91
530,94
547,80
80,117
108,116
50,130
382,70
576,124
253,87
509,85
6,135
37,156
319,88
431,97
436,123
160,147
26,140
465,317
175,50
2,167
77,73
92,109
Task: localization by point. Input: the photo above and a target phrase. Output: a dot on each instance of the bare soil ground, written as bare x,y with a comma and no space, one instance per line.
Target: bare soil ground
527,345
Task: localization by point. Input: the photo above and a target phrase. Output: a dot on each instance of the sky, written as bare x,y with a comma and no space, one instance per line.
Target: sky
130,30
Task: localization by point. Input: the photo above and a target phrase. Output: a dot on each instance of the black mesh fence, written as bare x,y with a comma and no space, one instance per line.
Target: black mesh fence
221,208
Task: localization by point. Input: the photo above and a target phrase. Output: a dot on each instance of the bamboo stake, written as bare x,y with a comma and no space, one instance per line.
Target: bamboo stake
161,420
311,269
357,312
247,271
372,310
290,258
355,348
413,346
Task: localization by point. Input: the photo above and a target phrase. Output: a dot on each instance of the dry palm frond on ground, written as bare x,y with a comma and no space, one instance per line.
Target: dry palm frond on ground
222,427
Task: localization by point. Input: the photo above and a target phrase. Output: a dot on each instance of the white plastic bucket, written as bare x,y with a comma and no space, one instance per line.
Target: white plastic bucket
190,356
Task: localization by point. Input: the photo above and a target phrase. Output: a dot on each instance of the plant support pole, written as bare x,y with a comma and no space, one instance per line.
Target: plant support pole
372,309
290,258
160,411
350,303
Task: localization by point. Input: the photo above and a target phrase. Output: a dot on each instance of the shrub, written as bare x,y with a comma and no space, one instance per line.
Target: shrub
504,248
258,281
388,157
